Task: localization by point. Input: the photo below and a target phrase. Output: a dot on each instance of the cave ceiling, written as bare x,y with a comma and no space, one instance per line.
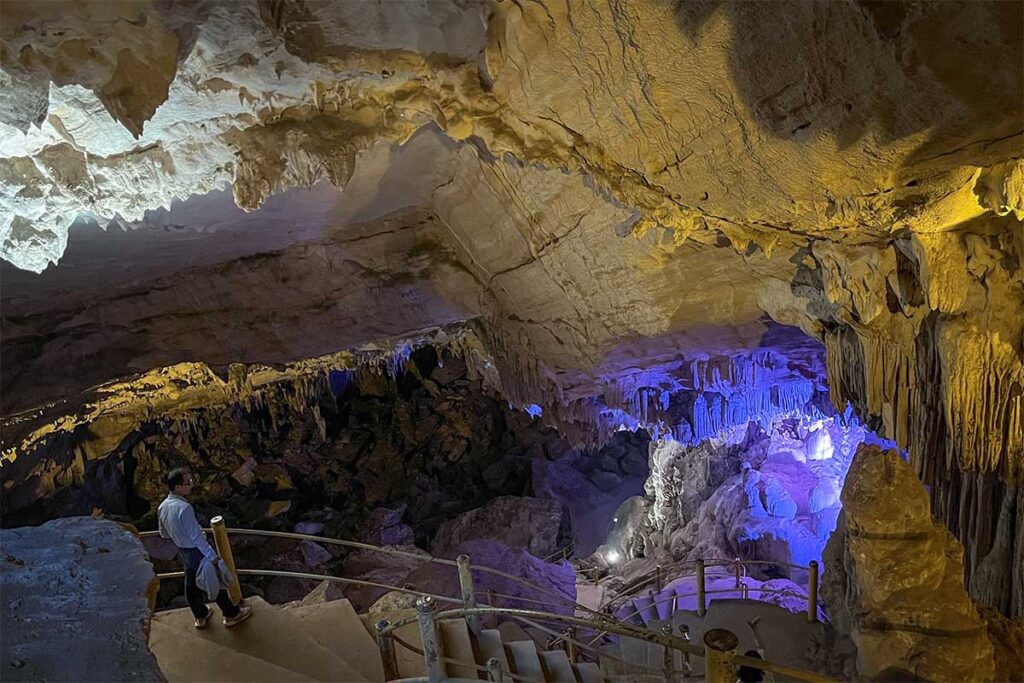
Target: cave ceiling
601,189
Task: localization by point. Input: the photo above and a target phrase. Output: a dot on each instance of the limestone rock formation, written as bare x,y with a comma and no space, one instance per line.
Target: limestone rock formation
750,493
78,594
894,580
531,524
626,201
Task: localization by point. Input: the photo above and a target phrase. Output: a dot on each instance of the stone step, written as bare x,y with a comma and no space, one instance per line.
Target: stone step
588,672
511,631
489,644
336,626
186,659
456,644
524,659
410,664
271,635
644,603
557,667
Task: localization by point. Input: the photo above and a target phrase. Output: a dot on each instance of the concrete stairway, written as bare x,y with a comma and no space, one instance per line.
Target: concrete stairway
517,651
318,642
328,641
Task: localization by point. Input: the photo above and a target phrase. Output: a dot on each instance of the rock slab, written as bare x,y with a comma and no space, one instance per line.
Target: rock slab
76,603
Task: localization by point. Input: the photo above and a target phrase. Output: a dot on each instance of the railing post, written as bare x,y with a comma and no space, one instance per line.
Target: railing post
494,672
736,571
684,633
812,592
570,645
468,596
386,645
702,605
668,656
657,579
223,545
719,648
490,603
428,633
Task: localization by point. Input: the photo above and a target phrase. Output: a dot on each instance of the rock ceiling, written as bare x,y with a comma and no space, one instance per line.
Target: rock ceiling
605,188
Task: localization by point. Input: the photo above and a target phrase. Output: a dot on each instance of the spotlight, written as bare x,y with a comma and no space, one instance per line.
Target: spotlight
612,556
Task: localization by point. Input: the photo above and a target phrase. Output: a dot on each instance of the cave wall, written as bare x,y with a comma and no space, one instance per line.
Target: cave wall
427,437
613,182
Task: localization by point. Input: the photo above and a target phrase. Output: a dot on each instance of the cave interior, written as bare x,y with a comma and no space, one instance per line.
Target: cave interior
579,289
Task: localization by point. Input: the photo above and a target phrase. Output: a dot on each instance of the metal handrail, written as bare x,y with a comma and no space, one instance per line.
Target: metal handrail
618,629
323,577
416,651
676,596
563,552
742,589
392,551
665,573
673,642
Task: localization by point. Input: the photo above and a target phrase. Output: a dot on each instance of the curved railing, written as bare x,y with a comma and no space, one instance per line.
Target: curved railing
719,657
664,574
461,566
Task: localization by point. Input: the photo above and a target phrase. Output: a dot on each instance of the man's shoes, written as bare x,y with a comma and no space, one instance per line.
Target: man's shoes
200,624
244,612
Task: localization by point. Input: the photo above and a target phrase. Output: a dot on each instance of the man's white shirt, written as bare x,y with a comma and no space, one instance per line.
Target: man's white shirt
177,522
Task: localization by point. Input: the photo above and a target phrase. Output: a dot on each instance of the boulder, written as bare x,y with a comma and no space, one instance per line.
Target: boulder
634,463
78,595
309,528
894,583
606,481
384,527
529,523
378,567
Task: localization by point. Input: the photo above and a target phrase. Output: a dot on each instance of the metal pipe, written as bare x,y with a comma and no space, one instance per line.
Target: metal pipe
702,598
220,539
468,596
719,649
391,551
386,644
668,657
571,648
428,634
684,633
812,592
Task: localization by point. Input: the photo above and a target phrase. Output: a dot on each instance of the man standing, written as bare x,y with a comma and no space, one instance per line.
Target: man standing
178,523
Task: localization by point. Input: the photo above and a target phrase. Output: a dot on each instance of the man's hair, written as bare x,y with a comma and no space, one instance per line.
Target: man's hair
176,477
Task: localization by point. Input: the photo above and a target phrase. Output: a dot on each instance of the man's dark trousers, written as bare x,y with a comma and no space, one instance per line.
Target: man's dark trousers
192,558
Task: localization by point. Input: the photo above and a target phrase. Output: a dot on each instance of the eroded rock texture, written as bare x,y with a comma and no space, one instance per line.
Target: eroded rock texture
895,580
78,596
623,197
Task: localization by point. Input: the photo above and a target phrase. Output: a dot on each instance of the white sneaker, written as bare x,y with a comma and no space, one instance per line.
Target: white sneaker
202,623
244,612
